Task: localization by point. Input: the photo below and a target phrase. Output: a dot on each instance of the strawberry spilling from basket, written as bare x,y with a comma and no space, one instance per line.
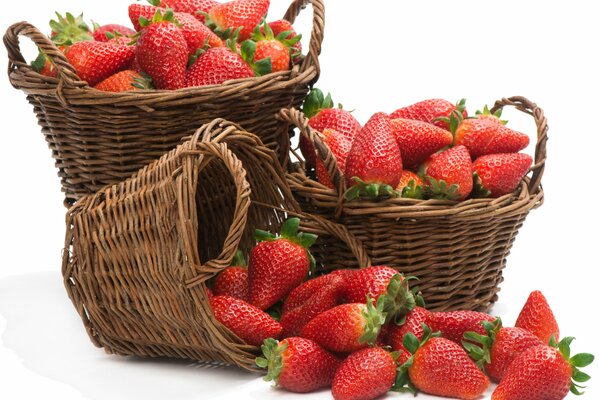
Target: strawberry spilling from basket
364,332
176,44
428,150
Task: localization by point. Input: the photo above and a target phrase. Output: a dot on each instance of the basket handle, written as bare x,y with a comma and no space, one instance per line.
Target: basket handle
528,107
67,77
317,34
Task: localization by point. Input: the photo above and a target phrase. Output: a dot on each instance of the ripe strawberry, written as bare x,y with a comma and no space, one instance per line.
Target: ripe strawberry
277,48
196,34
319,109
536,317
440,367
433,111
138,11
374,164
215,66
249,323
495,351
237,15
366,374
347,327
96,61
410,185
417,140
197,8
453,324
103,33
124,81
500,174
487,114
281,26
448,174
162,51
279,264
306,290
370,282
482,136
412,324
340,147
44,66
544,373
69,29
233,281
298,365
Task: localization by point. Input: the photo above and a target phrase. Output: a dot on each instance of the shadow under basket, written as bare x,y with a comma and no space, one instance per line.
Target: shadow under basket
457,249
138,255
99,138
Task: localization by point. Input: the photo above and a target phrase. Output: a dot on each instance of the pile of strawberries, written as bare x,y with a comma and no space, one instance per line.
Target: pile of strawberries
364,332
428,150
176,44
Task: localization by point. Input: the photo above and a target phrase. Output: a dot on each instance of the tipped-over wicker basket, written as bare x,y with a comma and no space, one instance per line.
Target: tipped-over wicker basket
457,249
138,254
99,138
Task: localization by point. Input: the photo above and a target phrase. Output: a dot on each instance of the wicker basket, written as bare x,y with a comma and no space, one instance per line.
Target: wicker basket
138,254
457,249
99,138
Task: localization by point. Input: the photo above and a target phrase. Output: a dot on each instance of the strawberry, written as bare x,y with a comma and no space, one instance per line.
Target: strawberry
544,373
237,17
44,66
138,11
322,115
370,282
249,323
196,34
448,174
440,367
500,174
233,281
124,81
410,185
197,8
162,51
374,164
453,324
69,29
433,111
482,136
340,146
347,327
297,364
495,351
412,324
104,33
536,317
306,290
96,61
215,66
281,26
279,264
277,48
366,374
487,114
417,140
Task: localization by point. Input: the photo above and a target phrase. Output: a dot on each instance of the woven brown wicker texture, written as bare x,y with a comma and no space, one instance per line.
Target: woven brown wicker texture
99,138
138,254
457,249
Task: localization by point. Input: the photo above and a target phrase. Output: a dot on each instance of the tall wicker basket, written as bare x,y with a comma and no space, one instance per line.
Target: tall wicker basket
99,138
457,249
138,254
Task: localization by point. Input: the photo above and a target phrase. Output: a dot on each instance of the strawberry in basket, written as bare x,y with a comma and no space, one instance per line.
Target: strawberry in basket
69,29
449,174
237,17
277,48
432,111
106,33
196,8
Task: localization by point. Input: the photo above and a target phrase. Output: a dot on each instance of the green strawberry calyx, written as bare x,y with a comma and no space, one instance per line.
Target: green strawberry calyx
577,361
370,190
238,260
168,16
412,191
487,112
478,190
440,190
316,101
247,51
69,29
456,116
263,32
398,300
479,346
272,351
143,83
375,318
40,62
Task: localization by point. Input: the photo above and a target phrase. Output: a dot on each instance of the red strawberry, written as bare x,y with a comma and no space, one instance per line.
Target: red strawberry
197,8
433,111
500,174
366,374
340,146
453,324
96,61
412,324
369,282
374,163
495,351
69,29
103,33
536,317
347,327
319,109
124,81
303,292
249,323
215,66
137,11
494,117
441,367
233,281
279,264
417,140
544,373
449,174
410,185
275,48
483,136
281,26
44,66
242,15
162,52
196,34
298,365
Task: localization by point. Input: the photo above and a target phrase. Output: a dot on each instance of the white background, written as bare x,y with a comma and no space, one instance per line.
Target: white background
377,56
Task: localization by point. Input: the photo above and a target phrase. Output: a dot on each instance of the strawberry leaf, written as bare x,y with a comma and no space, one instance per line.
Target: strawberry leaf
290,228
582,360
410,342
239,259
